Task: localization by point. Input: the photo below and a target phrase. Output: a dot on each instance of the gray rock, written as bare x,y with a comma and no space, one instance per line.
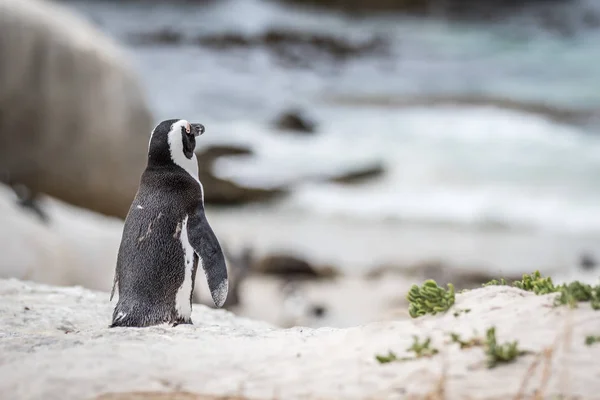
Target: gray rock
294,121
74,122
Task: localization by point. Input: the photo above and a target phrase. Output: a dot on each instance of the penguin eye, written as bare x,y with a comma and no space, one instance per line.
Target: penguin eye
187,128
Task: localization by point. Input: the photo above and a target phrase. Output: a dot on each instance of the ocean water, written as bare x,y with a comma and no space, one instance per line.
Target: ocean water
450,171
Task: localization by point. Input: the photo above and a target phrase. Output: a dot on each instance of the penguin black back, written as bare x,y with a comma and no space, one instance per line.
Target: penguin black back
166,235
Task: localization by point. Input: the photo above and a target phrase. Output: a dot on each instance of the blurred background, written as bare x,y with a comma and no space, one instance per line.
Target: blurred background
352,147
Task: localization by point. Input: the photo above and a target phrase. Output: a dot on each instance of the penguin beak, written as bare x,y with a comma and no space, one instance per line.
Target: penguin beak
197,129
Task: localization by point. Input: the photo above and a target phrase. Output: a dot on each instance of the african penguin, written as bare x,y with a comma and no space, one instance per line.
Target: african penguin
165,235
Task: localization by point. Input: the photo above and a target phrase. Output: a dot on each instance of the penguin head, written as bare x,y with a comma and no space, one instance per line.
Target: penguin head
173,141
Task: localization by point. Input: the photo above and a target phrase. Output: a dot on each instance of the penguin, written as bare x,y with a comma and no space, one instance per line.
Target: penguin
166,235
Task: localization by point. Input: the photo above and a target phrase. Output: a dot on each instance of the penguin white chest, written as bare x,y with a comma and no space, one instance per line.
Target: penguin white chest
183,302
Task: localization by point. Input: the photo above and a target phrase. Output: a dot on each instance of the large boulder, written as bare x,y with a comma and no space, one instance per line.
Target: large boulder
56,344
74,122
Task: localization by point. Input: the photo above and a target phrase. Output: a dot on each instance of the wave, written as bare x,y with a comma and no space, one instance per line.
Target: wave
466,166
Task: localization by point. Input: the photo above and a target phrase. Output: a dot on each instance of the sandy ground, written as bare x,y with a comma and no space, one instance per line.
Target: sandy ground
55,344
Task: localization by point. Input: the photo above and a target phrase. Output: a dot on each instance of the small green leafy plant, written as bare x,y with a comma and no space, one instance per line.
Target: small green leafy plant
458,312
536,283
497,354
532,283
495,282
574,292
475,341
569,294
590,340
420,349
429,299
384,359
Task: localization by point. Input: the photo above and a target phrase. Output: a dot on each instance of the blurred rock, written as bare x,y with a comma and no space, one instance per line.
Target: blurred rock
288,266
227,41
294,121
289,45
298,46
74,122
382,271
318,311
360,175
485,10
587,261
219,191
164,36
328,271
292,268
461,278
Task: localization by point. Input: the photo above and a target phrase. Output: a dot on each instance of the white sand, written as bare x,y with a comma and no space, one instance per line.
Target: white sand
223,354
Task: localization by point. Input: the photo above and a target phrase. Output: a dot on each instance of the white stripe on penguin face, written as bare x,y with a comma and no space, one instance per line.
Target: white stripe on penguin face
176,148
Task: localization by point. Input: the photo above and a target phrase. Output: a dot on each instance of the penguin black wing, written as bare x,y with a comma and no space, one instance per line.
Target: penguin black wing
206,245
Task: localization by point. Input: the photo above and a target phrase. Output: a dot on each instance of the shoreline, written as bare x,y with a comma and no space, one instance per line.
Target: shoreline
356,247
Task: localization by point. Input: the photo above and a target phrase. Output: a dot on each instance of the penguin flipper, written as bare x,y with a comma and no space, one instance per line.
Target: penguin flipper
206,245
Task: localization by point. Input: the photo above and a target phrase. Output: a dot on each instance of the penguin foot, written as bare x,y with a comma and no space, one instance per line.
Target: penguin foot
182,322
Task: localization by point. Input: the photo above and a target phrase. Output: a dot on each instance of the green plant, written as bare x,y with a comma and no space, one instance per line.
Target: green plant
569,294
531,282
574,292
387,358
504,353
475,341
420,350
494,282
536,283
429,299
458,312
590,340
